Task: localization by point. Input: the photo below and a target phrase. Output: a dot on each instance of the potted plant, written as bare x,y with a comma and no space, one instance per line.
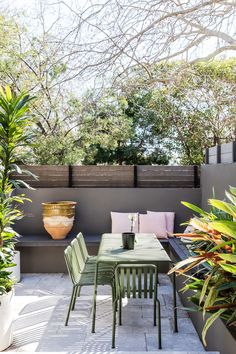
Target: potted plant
211,269
14,135
58,218
128,238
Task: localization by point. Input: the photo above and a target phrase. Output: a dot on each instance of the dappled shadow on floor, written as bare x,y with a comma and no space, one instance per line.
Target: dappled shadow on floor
40,323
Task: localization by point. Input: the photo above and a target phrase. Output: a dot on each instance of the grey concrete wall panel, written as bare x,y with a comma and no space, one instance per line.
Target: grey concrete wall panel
218,176
213,155
95,204
227,153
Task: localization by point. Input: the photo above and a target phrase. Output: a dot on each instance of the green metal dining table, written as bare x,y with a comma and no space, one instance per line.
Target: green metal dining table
147,249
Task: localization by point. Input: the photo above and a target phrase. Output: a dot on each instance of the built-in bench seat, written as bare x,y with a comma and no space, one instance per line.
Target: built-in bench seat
41,254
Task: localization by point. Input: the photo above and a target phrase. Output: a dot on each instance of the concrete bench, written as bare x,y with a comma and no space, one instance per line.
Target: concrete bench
41,254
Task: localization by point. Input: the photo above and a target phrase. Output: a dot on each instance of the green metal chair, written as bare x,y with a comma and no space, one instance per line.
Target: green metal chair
90,260
83,248
138,281
81,269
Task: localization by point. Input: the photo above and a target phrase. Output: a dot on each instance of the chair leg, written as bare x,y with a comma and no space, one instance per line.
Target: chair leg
77,293
94,299
155,312
74,290
155,298
114,305
113,293
175,304
159,323
120,310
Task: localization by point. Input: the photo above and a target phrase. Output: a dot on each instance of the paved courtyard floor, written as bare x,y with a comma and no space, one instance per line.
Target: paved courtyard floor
41,303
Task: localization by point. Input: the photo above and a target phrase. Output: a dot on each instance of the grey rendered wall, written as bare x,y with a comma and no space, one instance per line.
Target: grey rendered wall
95,204
219,176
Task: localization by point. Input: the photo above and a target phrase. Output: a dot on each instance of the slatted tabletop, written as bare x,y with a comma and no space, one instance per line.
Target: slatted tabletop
147,249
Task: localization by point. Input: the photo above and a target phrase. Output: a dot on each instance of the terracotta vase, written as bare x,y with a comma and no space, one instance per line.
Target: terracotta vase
58,218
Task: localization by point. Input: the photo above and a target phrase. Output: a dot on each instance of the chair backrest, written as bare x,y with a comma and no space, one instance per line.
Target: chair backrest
72,264
78,253
138,280
82,244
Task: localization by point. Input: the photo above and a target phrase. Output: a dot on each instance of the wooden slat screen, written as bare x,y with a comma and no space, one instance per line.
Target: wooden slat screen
48,176
103,176
112,176
166,176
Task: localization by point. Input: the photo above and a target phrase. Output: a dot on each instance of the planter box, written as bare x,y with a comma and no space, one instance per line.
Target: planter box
6,320
219,337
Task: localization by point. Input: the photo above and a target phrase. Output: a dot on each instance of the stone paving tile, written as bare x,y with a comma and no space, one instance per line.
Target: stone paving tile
42,301
175,342
185,325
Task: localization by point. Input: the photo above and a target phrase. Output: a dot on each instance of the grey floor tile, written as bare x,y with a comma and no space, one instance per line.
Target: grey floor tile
41,304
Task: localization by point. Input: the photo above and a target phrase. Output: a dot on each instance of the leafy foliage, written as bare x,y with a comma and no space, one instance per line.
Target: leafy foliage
193,103
173,115
15,135
214,248
164,113
56,149
118,131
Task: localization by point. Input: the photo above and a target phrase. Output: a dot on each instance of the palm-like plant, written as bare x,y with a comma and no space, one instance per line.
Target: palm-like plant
15,134
214,248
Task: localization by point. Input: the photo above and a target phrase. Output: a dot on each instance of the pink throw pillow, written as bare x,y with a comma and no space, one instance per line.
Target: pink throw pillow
170,220
149,223
120,222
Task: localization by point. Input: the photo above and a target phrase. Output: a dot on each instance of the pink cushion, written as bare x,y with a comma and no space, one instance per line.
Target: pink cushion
120,222
170,220
153,223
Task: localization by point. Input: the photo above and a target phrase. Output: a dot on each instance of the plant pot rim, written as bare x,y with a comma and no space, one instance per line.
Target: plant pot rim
10,292
60,203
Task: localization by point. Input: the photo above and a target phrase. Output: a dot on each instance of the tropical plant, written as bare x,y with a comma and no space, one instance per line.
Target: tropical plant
211,269
15,136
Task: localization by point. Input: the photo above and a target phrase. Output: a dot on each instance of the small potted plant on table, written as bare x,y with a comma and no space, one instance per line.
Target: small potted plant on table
128,238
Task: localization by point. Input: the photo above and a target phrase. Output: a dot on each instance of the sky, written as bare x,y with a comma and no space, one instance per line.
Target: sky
29,6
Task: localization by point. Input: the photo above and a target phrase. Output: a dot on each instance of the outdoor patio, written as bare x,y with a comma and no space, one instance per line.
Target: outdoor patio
40,306
118,176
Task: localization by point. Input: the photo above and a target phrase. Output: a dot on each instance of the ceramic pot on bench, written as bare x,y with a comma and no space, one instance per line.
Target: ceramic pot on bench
58,218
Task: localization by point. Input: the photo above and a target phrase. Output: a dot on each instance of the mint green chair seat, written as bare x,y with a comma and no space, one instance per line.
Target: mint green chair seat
90,259
136,281
81,269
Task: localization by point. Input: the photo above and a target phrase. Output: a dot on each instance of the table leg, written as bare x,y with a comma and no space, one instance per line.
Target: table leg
175,303
95,298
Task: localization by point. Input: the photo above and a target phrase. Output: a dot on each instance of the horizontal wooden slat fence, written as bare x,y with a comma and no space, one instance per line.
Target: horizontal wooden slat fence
167,176
112,176
48,176
103,176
